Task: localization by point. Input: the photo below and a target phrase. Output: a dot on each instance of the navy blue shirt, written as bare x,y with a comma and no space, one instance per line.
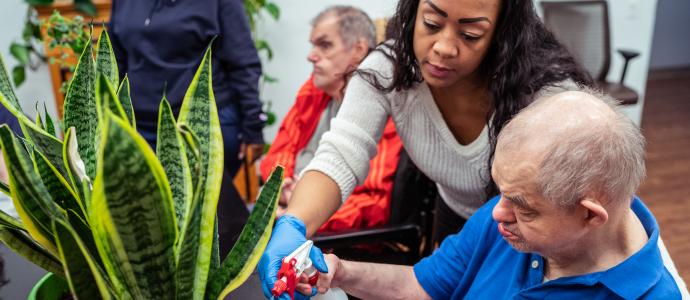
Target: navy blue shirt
478,263
159,42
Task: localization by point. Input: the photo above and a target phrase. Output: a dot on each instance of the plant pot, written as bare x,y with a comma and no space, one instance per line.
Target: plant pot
50,287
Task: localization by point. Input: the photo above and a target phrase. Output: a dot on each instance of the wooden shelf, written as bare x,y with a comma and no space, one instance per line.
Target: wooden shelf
58,75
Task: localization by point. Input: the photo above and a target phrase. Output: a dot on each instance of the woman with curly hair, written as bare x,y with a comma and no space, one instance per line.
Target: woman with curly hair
454,74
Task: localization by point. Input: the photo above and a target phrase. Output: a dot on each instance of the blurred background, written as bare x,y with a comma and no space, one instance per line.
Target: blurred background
660,77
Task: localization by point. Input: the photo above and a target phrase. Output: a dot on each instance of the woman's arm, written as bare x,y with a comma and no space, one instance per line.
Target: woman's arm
342,159
315,198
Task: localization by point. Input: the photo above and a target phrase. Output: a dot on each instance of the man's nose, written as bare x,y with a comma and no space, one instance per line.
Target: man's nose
503,212
312,57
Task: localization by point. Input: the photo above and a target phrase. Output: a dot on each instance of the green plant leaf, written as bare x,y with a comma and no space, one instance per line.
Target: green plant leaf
50,125
46,144
105,59
199,112
84,278
26,247
106,96
245,254
31,198
215,250
170,150
58,188
20,52
18,75
39,121
81,109
83,230
126,101
86,6
9,221
273,10
39,2
133,220
76,171
7,95
5,189
269,79
263,45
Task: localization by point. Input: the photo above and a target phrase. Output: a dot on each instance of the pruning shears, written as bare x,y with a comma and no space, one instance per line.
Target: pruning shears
291,269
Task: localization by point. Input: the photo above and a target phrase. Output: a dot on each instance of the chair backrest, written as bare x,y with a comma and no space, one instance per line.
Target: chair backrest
582,26
413,199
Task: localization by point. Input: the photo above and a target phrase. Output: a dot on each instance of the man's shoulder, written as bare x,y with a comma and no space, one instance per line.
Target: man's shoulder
665,288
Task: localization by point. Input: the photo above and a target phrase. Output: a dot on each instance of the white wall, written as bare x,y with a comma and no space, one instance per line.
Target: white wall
632,27
37,86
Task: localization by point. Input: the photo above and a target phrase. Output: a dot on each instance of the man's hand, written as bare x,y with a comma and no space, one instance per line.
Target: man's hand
251,151
288,234
326,280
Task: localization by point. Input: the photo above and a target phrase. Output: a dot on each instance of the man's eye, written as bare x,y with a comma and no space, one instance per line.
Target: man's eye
431,26
525,213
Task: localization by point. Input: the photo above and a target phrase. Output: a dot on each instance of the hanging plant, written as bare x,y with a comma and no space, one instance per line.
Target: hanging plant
29,50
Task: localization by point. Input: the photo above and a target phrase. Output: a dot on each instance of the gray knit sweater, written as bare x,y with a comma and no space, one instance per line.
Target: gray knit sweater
344,152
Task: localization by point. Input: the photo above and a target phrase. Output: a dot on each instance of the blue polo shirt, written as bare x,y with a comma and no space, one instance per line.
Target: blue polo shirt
478,263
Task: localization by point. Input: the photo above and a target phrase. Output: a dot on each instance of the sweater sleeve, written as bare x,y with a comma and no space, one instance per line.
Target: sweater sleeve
369,204
345,151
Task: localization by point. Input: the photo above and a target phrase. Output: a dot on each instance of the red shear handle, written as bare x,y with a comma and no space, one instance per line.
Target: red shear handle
286,280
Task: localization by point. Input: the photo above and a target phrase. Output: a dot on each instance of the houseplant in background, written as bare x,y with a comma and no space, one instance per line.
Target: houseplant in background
114,218
28,51
255,10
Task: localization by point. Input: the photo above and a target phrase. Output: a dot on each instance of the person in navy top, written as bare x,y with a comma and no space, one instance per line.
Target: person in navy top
566,225
159,45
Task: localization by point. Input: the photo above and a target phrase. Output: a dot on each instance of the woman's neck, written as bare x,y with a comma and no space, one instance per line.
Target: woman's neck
464,107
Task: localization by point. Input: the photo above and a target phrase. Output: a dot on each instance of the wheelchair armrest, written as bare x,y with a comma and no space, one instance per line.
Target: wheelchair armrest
627,56
388,233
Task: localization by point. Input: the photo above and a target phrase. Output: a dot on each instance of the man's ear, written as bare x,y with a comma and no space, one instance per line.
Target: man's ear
595,212
360,50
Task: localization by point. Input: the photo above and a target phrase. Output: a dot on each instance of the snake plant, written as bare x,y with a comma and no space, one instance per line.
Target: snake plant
117,219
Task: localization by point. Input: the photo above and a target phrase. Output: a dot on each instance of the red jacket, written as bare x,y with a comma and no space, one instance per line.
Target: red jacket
369,204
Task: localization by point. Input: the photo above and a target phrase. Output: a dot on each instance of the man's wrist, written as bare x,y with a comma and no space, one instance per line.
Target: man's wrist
341,276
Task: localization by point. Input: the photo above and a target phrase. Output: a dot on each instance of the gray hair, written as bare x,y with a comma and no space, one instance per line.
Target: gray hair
353,23
606,159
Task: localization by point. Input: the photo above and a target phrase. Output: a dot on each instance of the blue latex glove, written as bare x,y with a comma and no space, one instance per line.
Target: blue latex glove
288,234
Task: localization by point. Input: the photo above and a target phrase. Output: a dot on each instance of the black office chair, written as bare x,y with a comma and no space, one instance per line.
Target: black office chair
407,236
583,27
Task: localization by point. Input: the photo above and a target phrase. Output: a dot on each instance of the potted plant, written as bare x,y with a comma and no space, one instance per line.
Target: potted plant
110,215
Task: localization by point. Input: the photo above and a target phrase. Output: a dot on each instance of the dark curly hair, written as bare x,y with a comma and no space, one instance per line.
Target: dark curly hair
523,58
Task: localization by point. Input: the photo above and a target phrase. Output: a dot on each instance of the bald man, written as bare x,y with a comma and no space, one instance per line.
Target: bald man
566,225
